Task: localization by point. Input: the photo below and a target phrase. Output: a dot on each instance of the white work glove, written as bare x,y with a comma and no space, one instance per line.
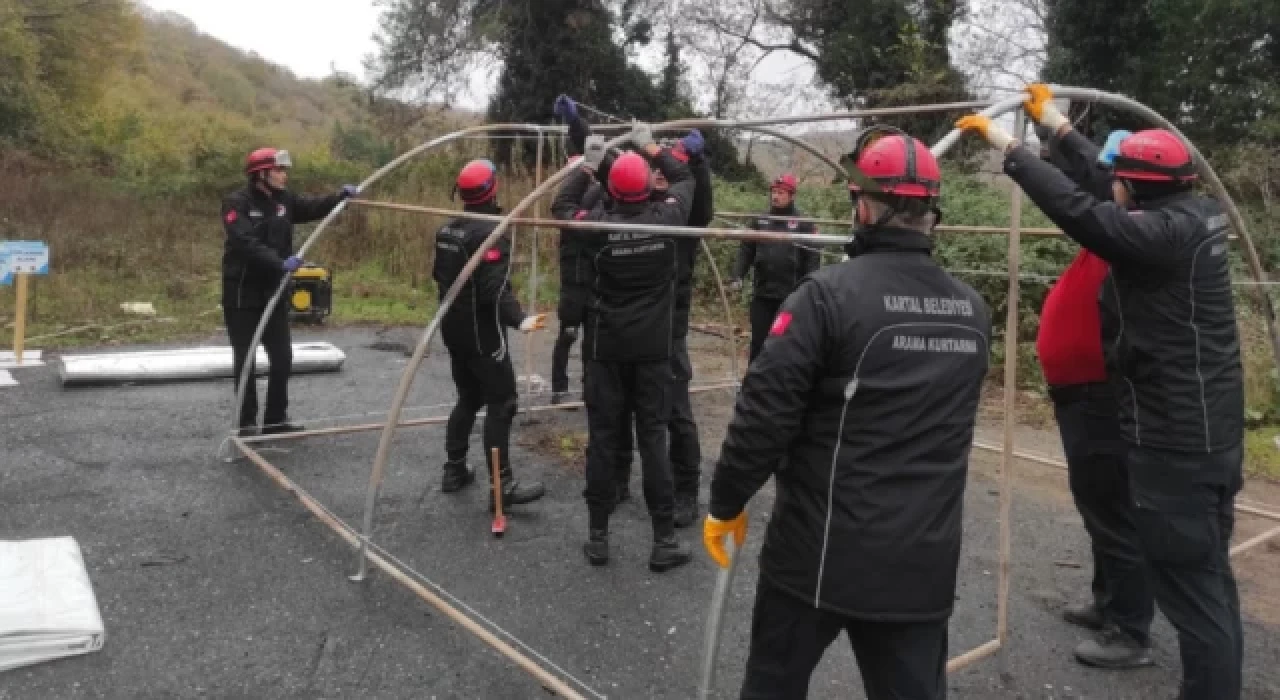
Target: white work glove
593,152
533,323
641,135
1039,104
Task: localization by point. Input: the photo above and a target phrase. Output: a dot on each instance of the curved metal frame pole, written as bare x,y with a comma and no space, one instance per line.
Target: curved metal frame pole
245,372
728,314
715,620
1202,165
805,146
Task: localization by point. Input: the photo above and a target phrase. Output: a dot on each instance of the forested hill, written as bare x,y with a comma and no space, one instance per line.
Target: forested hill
150,102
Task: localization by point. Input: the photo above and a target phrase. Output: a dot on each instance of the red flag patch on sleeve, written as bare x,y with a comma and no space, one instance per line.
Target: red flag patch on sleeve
582,214
781,323
492,255
231,217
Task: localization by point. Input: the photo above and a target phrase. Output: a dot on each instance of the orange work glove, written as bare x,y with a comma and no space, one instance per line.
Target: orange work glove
714,531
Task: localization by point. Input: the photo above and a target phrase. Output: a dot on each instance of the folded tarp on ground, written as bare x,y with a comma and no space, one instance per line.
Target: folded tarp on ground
185,364
47,607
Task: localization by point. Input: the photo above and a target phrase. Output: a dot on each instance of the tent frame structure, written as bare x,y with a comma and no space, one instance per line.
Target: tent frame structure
368,552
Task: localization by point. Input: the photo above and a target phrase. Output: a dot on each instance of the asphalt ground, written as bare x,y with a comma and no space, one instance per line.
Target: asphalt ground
213,582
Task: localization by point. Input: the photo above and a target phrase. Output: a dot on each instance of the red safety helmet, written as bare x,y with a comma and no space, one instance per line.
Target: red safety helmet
629,178
785,182
477,182
896,164
266,159
1154,155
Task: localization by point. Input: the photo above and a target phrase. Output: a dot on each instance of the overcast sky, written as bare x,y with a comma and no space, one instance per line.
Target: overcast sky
314,37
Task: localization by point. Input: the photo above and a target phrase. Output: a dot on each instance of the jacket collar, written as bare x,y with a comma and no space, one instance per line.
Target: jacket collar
887,239
789,210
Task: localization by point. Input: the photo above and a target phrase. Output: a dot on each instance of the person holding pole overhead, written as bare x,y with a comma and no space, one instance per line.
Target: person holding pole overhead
866,389
1169,328
258,222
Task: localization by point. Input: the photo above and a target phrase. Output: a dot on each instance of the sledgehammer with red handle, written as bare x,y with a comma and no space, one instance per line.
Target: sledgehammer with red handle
499,526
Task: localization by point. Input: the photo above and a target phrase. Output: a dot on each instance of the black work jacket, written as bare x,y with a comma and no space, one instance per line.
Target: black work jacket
777,267
865,392
476,323
259,236
634,275
1168,315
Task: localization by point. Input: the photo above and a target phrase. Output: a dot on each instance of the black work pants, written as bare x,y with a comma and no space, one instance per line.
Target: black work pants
1097,473
1185,513
763,311
560,356
898,660
241,324
482,382
618,395
685,451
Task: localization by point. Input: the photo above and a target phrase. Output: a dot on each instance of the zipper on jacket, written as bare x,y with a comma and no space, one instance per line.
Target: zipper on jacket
1133,393
851,390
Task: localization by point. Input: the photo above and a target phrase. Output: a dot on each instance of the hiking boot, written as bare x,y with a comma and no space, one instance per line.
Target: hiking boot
282,428
686,509
668,553
248,431
1113,649
559,397
457,474
624,492
1086,615
515,493
597,547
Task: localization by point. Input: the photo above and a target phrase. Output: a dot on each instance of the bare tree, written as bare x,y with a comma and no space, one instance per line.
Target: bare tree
1001,46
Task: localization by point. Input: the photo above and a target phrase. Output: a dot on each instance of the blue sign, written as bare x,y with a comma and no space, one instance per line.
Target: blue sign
23,257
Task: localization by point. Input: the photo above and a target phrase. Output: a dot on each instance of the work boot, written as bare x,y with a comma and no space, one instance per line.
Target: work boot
597,547
1113,649
559,397
686,509
515,493
281,428
457,474
1085,615
624,492
668,553
248,431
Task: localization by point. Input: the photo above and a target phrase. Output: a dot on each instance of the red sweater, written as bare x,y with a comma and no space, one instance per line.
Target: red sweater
1070,338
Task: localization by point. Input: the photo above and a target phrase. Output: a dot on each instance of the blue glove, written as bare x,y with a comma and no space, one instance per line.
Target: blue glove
1112,147
565,108
694,143
350,191
291,263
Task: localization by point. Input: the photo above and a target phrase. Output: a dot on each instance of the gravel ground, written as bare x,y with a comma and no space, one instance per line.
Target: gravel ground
215,583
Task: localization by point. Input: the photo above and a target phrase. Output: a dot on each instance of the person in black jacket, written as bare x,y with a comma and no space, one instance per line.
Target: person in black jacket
629,337
1169,327
258,221
685,449
866,392
474,332
778,267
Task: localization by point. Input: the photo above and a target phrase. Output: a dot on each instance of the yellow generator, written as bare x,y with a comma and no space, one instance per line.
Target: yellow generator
310,294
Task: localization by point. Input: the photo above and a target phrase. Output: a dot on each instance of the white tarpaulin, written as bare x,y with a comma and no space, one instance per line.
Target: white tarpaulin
47,607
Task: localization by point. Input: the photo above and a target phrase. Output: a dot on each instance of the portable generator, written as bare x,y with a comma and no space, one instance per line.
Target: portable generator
310,294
